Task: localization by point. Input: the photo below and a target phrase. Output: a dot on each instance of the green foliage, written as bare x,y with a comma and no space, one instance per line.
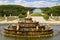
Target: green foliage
14,10
36,14
21,16
17,10
0,15
44,9
10,9
54,10
46,17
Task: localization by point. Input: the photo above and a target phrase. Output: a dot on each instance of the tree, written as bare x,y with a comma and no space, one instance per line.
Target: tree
14,10
54,10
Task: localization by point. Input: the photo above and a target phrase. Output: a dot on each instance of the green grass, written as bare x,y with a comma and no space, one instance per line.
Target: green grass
36,14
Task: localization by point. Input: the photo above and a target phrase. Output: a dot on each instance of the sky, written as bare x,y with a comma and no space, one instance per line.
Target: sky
31,3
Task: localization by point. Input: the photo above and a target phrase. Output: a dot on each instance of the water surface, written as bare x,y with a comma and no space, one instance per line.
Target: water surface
56,37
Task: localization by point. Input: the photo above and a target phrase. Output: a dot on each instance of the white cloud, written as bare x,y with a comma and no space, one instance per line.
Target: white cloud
42,4
3,2
36,3
31,4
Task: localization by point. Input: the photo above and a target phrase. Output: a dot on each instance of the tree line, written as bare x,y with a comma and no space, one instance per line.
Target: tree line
55,11
14,10
18,10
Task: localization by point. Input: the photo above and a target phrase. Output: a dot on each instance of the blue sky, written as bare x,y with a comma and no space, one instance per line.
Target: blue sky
11,1
32,3
40,0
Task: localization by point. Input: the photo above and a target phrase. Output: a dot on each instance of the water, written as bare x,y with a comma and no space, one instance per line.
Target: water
56,37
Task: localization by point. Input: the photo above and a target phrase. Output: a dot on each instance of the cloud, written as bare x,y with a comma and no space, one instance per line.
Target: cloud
40,3
3,2
36,3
